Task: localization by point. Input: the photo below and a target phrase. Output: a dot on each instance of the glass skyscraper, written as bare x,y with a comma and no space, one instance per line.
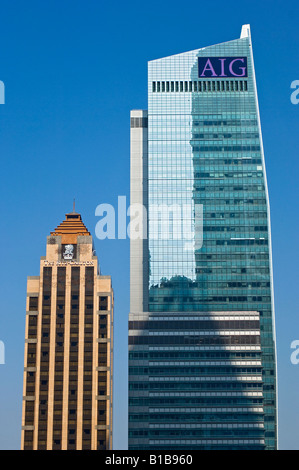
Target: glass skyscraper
202,355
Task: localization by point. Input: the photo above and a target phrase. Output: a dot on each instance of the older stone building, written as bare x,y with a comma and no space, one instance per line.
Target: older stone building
68,373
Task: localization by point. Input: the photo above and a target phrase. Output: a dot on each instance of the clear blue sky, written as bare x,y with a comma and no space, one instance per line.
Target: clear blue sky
72,72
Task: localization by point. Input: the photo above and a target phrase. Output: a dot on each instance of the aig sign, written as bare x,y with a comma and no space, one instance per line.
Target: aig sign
221,67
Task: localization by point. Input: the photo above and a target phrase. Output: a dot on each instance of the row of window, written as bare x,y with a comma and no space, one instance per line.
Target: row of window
194,340
184,387
213,284
205,298
102,305
139,355
185,401
194,325
169,433
196,417
200,445
199,86
225,148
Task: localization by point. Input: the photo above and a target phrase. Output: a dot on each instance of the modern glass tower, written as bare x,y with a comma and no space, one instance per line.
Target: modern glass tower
202,355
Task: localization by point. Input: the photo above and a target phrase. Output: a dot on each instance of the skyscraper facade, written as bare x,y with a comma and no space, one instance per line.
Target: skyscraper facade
68,365
202,355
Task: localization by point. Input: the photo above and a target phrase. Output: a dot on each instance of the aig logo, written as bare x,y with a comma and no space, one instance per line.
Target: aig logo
2,100
222,67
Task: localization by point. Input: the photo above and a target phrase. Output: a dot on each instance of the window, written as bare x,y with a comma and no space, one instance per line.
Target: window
138,122
103,303
33,303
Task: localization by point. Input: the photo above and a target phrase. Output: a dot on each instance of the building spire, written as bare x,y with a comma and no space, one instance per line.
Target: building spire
74,205
245,33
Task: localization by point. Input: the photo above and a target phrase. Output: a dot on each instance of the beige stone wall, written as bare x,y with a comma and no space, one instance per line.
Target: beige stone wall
102,286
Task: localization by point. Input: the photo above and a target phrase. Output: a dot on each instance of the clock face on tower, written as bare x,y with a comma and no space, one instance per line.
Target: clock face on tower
68,252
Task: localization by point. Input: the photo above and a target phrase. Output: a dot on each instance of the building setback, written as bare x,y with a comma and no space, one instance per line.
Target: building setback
202,354
68,373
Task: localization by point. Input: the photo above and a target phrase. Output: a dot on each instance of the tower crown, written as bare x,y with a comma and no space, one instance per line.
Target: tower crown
70,228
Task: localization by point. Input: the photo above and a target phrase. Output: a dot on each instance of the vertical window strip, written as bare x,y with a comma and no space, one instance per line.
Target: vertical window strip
44,360
73,358
59,358
88,352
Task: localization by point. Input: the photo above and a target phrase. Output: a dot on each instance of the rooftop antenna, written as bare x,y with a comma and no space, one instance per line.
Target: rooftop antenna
74,205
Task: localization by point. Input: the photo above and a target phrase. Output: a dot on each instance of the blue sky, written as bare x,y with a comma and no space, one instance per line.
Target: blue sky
73,70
